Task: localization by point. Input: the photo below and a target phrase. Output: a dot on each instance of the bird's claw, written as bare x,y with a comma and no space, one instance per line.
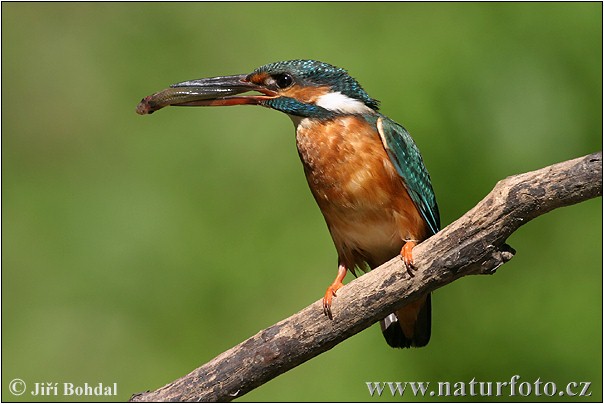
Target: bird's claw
327,308
407,257
329,295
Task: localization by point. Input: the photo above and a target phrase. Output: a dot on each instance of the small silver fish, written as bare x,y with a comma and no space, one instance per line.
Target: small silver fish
179,96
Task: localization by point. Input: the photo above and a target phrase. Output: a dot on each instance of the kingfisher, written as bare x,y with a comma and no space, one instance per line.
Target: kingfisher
363,169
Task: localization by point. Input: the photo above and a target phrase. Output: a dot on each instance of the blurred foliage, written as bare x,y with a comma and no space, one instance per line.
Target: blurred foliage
137,248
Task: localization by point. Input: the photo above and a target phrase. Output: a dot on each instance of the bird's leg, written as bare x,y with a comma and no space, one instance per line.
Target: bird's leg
332,289
407,256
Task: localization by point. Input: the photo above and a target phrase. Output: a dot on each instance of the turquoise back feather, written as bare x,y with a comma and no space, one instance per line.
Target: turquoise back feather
409,164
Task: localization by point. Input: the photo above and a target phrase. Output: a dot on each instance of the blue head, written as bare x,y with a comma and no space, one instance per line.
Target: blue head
310,87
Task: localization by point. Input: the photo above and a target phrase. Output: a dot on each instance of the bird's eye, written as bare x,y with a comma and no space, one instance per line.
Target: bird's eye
283,80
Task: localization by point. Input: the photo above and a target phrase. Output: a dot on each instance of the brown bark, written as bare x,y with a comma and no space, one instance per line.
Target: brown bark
473,244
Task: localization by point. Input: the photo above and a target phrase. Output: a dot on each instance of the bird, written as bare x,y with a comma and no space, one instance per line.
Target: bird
364,170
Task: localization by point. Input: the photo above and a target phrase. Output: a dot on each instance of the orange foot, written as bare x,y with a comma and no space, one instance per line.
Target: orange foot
407,256
331,291
329,295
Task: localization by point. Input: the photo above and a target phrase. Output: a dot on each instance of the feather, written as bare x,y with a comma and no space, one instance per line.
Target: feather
407,160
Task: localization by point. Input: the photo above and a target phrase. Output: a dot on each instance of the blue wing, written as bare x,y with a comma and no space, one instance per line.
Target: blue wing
408,162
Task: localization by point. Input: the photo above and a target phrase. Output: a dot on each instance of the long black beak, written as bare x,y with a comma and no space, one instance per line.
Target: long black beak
214,91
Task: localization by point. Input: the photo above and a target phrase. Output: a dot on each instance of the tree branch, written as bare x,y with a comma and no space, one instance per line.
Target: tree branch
473,244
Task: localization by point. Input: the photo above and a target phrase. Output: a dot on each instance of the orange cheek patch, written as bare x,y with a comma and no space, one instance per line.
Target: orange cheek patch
304,94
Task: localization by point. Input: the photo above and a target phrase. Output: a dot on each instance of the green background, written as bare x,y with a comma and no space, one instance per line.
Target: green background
135,249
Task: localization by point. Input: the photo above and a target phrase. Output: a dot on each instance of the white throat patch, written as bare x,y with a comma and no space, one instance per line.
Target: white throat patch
338,102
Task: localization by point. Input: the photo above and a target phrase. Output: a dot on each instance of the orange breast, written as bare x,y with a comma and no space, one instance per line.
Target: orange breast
365,204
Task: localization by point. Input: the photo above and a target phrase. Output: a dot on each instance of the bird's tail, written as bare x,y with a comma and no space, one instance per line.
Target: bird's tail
409,326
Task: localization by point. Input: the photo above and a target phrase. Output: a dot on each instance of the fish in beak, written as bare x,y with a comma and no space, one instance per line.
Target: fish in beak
214,91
